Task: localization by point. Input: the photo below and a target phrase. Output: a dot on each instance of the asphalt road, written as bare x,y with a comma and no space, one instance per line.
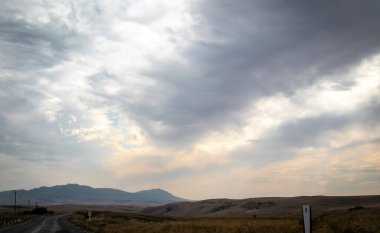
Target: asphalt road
44,224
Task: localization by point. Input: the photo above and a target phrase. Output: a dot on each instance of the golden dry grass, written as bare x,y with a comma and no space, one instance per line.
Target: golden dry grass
343,221
119,222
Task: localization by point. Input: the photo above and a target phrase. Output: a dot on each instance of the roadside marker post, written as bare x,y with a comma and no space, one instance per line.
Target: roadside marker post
306,216
89,214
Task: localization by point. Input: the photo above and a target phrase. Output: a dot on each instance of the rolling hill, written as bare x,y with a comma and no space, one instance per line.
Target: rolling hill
81,194
260,206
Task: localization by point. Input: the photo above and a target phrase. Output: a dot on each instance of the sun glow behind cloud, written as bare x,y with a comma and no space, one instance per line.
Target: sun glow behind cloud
142,94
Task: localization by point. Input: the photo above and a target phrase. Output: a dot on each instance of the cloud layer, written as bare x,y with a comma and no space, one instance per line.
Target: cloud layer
142,94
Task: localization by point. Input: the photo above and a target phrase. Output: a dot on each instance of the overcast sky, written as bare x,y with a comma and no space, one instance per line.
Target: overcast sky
203,98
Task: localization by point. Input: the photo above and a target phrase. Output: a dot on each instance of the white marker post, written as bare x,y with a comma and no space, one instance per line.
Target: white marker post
89,214
306,216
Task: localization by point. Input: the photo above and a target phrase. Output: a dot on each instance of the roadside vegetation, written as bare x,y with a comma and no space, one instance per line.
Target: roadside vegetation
8,217
340,221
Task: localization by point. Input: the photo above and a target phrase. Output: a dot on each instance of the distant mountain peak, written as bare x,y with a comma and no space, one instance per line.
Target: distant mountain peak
82,194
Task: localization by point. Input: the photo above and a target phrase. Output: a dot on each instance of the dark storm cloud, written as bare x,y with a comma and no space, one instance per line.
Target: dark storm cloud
253,49
323,35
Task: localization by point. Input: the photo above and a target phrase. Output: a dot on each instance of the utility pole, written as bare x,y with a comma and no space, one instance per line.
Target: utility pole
15,200
28,204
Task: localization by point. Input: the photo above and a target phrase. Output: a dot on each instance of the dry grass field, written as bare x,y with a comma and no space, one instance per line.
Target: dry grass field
340,221
121,222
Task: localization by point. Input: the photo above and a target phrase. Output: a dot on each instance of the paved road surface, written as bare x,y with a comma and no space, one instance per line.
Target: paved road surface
44,224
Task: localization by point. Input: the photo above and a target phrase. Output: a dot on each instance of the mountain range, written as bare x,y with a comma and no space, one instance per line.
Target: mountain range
81,194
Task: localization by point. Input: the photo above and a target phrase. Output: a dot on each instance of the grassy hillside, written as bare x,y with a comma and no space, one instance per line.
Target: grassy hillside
260,206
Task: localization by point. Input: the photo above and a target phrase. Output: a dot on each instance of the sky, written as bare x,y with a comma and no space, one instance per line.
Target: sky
202,98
